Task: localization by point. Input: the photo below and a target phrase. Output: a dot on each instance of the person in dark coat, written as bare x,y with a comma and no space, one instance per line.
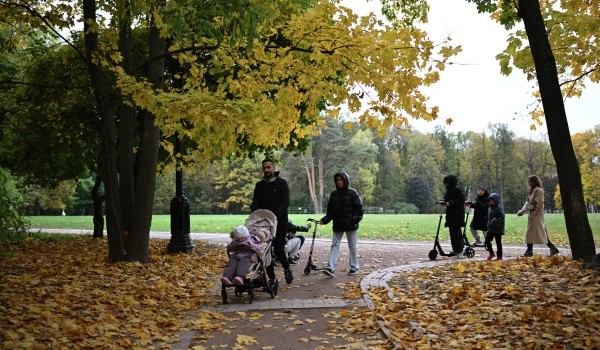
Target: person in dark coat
346,210
454,200
272,193
495,226
480,210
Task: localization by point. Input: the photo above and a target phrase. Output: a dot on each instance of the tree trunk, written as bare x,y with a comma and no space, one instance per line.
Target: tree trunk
139,236
98,214
569,176
116,250
126,127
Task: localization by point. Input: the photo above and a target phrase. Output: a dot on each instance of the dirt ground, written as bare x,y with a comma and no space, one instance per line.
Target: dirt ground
310,328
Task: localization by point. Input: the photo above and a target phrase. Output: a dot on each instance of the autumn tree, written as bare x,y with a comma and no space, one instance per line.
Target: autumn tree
252,75
567,29
587,149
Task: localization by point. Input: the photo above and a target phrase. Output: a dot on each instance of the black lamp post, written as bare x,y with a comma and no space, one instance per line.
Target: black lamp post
181,241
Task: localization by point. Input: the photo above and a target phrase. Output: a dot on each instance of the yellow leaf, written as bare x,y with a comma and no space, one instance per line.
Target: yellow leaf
245,339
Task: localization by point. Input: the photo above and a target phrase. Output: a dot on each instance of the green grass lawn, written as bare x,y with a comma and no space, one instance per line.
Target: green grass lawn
415,227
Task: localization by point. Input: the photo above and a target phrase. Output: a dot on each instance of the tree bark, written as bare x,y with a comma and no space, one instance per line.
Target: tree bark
571,189
98,214
139,236
116,250
126,126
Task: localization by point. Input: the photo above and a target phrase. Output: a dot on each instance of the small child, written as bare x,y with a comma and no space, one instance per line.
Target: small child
495,226
241,257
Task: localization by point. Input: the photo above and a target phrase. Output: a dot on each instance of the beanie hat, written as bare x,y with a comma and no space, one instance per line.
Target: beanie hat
241,231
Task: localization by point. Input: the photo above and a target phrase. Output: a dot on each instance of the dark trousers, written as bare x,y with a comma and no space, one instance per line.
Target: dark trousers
456,239
279,249
488,243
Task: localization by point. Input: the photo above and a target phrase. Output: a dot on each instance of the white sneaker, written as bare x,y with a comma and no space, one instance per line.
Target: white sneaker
459,255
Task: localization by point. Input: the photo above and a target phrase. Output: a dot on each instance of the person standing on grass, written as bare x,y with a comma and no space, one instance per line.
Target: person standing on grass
495,226
272,193
346,210
480,212
536,228
454,200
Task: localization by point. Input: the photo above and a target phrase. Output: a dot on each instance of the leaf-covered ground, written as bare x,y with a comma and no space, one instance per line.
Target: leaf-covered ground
533,303
65,294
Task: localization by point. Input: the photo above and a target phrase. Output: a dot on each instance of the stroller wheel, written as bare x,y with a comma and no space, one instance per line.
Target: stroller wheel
224,294
470,252
433,254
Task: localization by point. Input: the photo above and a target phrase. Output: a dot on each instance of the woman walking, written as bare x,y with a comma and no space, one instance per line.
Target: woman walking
536,228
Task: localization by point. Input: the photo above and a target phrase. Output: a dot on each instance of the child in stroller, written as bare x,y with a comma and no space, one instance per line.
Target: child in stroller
260,227
240,257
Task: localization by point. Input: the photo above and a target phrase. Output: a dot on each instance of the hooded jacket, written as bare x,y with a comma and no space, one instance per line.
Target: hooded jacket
455,211
345,207
495,216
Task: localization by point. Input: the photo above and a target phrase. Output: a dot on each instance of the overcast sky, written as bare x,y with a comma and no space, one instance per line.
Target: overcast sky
474,93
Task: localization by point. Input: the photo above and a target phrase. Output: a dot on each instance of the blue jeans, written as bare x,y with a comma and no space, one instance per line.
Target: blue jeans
335,249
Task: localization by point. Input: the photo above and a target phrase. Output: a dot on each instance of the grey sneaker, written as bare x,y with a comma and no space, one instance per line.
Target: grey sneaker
353,272
329,272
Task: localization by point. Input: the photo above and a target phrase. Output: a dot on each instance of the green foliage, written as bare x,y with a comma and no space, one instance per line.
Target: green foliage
405,208
11,207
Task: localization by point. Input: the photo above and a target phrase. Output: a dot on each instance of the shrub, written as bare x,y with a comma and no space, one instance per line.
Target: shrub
12,222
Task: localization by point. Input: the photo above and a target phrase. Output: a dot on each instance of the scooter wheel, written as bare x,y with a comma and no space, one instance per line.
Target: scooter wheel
470,252
307,270
433,254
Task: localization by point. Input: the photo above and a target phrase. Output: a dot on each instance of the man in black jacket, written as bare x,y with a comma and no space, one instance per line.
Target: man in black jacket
454,200
272,193
346,210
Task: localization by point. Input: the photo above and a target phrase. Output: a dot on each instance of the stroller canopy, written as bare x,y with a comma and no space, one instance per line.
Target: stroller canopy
263,224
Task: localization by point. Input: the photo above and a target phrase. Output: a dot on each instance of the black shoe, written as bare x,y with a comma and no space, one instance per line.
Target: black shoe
329,272
288,276
553,251
353,272
528,253
292,261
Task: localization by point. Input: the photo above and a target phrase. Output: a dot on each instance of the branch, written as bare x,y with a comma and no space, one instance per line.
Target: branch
37,14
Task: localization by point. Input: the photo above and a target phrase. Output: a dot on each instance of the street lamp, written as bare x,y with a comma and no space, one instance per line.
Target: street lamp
181,241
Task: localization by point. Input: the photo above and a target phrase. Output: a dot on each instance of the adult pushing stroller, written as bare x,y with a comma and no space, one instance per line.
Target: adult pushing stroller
469,252
263,224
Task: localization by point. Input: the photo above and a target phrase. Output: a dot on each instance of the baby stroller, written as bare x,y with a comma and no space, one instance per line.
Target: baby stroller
263,224
469,252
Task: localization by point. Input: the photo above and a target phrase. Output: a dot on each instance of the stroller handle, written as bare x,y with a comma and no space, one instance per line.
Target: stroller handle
313,220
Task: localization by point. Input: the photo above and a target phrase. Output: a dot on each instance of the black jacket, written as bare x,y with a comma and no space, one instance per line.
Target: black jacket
274,196
495,216
480,211
455,212
345,207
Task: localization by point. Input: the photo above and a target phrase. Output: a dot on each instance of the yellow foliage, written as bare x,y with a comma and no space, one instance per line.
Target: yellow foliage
333,55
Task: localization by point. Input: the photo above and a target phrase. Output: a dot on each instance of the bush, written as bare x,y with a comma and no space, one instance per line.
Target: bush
405,208
12,222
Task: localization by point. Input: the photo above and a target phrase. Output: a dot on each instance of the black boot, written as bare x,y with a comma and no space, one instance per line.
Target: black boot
528,253
553,249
